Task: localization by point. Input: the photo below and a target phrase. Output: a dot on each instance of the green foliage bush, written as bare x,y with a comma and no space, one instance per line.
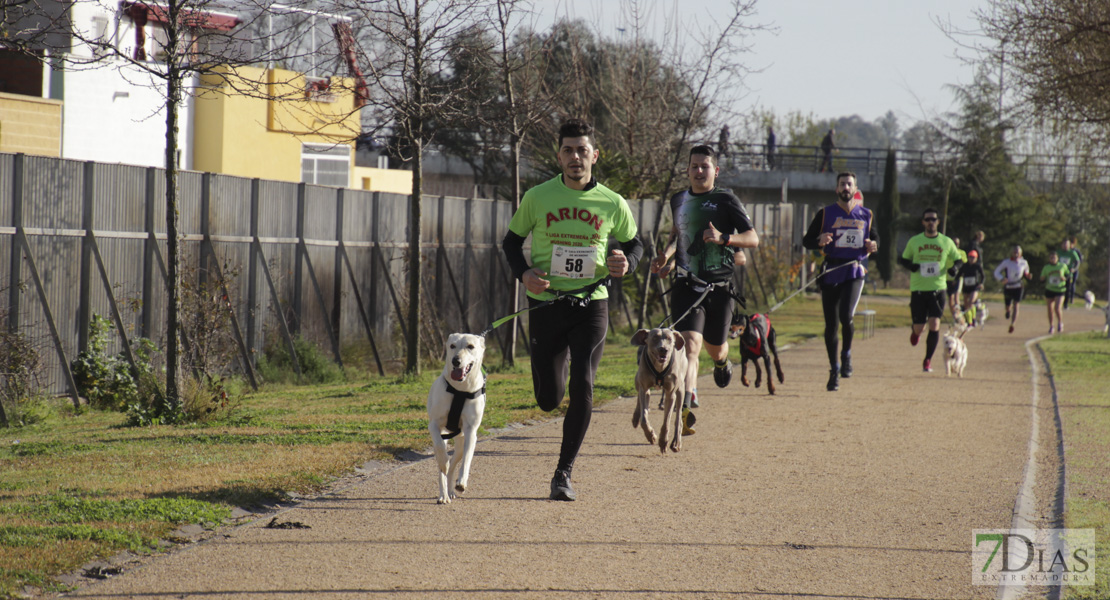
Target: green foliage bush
105,380
22,401
276,366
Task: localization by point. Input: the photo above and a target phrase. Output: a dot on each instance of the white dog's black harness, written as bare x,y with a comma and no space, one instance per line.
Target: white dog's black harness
458,401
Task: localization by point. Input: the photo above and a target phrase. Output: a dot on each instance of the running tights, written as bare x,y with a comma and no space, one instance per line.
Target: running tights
568,337
839,303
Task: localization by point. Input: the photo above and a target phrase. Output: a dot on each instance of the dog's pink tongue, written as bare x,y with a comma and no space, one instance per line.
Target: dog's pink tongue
457,375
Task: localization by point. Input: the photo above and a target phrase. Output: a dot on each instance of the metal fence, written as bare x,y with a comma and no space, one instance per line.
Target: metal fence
79,239
82,238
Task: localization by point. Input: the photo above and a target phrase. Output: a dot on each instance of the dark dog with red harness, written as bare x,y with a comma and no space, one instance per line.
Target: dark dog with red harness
757,340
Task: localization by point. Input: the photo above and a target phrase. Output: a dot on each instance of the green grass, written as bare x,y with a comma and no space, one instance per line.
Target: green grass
78,487
1081,370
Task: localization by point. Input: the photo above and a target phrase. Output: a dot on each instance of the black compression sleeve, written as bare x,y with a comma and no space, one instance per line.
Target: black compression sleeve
634,250
513,247
814,231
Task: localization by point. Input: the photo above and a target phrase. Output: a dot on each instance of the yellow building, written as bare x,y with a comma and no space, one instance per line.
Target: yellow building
275,124
30,125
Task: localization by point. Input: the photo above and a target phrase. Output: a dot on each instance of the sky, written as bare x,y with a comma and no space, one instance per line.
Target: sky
831,58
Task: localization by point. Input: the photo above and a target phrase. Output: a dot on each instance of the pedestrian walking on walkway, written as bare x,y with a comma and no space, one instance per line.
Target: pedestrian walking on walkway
570,218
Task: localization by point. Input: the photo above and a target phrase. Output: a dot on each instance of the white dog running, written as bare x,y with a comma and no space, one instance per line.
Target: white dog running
456,403
955,353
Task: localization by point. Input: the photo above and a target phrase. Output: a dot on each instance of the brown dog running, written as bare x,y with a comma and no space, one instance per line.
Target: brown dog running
663,365
757,341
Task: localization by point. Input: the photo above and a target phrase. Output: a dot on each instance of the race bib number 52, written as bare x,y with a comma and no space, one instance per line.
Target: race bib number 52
573,262
849,238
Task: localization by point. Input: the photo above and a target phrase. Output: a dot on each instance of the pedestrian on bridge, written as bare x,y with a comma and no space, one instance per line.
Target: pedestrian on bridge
828,144
842,232
770,148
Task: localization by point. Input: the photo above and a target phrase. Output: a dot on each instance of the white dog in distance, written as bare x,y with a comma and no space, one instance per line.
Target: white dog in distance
456,403
955,353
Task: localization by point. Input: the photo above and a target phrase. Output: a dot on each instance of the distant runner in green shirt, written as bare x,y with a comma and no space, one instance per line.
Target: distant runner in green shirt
929,256
1055,277
1070,257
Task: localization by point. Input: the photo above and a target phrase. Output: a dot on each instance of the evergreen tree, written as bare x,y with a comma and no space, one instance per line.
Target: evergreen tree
886,215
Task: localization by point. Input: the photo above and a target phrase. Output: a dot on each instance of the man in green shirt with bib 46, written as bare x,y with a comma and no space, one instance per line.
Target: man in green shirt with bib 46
929,256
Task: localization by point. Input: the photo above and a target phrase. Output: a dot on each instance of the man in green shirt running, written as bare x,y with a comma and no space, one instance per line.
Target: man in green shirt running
570,219
929,256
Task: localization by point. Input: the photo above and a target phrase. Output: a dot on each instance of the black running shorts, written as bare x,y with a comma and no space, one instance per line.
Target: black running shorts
927,305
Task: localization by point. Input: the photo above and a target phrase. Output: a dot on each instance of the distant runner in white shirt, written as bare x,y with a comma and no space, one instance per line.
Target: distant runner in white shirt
1011,272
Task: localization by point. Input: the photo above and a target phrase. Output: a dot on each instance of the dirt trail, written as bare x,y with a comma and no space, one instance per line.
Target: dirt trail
869,492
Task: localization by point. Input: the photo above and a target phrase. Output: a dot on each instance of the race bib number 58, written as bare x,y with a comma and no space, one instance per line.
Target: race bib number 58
573,262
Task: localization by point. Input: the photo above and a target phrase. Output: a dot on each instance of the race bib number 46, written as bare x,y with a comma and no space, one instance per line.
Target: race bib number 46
573,262
930,269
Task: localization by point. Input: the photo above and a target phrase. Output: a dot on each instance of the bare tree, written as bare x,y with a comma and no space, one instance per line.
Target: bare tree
405,44
715,74
1052,54
168,47
525,105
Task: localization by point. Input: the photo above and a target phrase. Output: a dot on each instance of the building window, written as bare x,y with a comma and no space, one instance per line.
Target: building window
325,164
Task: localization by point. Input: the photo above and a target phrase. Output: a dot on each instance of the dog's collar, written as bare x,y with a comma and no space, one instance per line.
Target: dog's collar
659,375
458,401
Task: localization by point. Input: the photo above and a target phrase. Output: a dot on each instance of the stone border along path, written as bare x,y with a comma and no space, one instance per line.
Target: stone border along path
870,492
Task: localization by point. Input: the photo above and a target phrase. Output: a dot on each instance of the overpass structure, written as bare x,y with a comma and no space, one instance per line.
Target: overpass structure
792,174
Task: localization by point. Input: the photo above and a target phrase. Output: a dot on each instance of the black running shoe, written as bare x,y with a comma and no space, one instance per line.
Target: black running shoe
560,487
845,366
722,374
834,380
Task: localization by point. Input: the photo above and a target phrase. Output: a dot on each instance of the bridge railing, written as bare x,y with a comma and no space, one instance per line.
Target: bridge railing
864,161
1041,168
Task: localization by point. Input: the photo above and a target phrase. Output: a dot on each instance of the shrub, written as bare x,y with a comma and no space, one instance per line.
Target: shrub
275,365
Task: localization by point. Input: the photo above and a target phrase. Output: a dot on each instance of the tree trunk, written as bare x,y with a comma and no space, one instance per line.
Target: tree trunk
173,301
514,299
412,365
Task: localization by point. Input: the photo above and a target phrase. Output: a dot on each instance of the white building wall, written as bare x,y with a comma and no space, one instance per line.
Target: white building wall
115,111
117,115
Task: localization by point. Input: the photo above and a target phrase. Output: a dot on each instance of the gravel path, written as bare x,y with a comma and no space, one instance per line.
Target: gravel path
869,492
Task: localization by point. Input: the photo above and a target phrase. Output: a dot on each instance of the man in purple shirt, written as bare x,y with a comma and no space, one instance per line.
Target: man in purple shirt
843,233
